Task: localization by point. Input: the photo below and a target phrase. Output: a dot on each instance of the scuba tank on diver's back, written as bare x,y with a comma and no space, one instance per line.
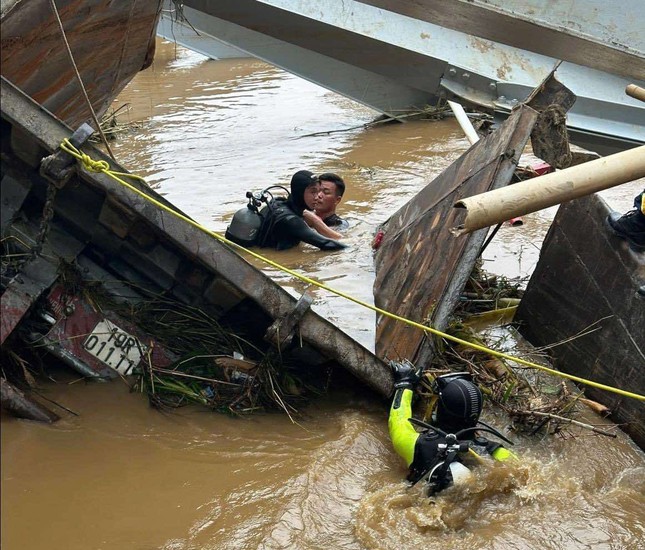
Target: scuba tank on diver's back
248,225
245,226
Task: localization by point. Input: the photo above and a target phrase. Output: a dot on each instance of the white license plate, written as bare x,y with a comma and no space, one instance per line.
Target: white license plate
114,347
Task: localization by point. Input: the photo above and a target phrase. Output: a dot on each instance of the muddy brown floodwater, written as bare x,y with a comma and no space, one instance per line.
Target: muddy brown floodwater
125,476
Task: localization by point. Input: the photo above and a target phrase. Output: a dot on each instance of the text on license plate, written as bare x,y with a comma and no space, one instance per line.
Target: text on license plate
114,347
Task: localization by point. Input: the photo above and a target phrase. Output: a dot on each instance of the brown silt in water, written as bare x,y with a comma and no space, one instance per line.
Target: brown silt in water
123,475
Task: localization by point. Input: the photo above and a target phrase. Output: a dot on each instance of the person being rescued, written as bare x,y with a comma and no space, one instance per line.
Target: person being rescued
435,454
331,188
286,226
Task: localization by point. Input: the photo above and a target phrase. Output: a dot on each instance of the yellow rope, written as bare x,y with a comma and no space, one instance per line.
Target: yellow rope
102,166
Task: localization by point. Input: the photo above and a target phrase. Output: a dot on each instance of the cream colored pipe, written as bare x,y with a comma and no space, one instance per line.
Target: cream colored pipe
535,194
635,91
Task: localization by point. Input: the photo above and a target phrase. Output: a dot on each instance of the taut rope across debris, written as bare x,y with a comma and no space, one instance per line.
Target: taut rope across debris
103,166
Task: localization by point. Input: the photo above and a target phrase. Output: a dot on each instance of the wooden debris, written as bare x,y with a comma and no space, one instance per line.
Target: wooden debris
596,407
534,401
232,363
23,406
562,419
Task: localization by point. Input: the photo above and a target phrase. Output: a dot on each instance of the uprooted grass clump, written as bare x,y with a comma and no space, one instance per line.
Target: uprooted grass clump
486,292
215,367
534,400
212,367
200,360
112,127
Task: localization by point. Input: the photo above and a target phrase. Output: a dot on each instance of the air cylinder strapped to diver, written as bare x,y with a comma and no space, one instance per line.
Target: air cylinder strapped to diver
250,225
280,224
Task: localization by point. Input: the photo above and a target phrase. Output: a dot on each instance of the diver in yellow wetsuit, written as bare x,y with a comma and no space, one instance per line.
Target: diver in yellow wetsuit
458,407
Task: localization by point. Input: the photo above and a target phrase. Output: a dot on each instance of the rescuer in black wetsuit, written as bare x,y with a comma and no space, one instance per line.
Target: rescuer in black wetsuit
285,226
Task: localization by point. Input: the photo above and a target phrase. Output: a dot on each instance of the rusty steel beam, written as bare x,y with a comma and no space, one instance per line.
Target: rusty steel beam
526,30
33,54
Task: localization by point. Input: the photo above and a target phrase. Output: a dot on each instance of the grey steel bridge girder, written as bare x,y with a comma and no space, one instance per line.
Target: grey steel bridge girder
394,63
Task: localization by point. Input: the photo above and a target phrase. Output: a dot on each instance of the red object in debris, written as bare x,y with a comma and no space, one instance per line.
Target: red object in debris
540,167
378,238
536,167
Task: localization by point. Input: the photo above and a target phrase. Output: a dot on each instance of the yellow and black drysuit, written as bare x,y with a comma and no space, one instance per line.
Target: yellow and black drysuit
419,450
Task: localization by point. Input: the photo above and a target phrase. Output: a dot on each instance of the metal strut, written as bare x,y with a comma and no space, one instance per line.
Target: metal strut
282,331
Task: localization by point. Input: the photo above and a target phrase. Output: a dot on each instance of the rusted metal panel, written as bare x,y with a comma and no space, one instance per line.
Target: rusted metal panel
421,267
587,279
176,238
34,57
36,276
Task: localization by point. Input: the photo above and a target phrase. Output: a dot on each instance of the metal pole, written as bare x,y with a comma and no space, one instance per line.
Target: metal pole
464,122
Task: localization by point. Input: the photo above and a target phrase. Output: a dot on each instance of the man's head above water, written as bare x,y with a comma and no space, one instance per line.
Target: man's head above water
330,192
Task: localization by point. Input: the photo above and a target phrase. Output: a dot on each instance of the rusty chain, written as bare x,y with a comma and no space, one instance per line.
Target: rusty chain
48,214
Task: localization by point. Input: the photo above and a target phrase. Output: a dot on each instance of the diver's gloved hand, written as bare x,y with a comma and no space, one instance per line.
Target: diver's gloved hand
331,244
405,375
